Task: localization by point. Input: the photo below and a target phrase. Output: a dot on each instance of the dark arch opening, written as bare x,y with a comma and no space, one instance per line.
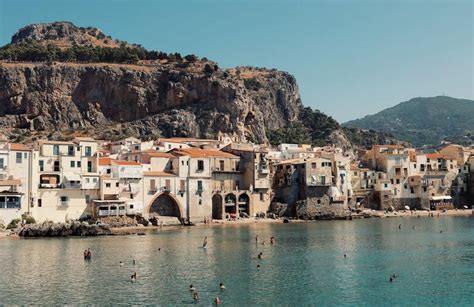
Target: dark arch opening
230,204
217,207
243,204
165,205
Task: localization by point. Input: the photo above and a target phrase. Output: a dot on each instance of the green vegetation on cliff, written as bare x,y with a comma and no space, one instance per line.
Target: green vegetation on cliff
32,51
424,121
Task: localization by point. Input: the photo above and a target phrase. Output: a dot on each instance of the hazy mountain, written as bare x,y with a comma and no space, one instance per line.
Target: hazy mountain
424,121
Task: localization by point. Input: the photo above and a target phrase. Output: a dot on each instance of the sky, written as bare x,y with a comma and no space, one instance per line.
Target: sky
350,58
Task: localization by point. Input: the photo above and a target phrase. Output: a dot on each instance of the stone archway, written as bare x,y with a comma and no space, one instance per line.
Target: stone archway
230,204
165,205
217,210
243,204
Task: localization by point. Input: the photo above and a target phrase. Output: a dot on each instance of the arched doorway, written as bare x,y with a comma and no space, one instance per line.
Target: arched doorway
217,207
165,205
243,204
230,204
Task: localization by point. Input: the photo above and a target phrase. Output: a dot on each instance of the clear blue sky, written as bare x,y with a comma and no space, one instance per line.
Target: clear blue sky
351,58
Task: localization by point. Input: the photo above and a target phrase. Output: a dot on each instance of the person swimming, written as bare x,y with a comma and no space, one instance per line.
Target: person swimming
221,286
204,245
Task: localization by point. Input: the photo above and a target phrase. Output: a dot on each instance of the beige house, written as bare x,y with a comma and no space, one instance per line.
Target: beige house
15,181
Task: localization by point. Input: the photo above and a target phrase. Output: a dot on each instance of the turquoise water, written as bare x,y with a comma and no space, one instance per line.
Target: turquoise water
306,266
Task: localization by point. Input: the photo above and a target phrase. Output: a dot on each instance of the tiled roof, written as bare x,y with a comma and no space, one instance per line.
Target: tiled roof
202,153
122,162
158,174
16,146
105,161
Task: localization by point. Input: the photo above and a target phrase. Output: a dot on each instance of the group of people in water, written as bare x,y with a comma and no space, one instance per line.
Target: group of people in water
195,293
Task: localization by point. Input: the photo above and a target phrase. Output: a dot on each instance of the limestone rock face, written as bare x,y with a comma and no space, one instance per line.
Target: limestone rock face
161,99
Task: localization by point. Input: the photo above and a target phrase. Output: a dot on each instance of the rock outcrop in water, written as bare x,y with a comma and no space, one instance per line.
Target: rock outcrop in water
74,228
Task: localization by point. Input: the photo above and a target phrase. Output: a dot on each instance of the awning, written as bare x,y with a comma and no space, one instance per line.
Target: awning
72,177
440,198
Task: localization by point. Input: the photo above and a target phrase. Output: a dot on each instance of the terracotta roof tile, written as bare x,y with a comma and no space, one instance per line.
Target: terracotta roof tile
158,174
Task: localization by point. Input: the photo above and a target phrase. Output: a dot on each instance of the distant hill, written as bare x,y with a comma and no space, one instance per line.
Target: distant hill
424,121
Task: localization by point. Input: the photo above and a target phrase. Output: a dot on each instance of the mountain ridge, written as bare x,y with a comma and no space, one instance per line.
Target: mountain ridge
58,80
424,121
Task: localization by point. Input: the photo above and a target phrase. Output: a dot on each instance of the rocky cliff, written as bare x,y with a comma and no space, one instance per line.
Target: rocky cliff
59,80
160,99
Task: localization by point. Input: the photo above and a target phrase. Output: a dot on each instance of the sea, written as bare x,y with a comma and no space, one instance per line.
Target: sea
430,260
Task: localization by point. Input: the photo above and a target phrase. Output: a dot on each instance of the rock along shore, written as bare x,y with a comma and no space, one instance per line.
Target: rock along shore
73,228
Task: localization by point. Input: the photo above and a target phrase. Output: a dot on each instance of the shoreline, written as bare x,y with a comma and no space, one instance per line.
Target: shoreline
141,230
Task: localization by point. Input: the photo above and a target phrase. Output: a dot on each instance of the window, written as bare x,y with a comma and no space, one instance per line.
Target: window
73,163
55,150
18,157
40,203
199,185
107,185
41,165
200,167
56,166
88,151
63,201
